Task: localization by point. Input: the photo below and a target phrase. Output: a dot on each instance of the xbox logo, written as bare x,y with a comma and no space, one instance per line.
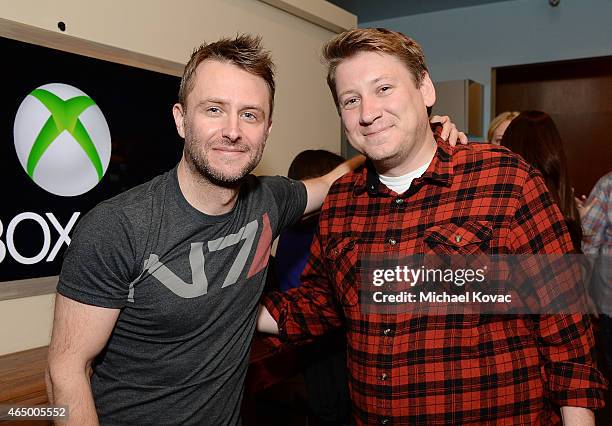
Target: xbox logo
62,139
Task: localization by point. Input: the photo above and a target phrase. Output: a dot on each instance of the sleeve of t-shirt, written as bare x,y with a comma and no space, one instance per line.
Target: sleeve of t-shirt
290,197
99,262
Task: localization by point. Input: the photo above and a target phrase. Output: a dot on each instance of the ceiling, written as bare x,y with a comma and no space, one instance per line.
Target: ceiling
374,10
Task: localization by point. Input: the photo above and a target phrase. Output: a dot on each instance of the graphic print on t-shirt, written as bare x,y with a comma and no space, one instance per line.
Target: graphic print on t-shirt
199,281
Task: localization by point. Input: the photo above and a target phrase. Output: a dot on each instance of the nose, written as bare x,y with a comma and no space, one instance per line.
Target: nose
370,111
231,128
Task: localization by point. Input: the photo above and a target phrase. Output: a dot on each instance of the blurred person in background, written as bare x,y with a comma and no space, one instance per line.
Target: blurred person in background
294,243
597,245
534,136
499,125
325,360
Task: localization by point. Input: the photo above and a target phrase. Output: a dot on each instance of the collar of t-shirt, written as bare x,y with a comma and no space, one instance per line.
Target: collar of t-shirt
400,184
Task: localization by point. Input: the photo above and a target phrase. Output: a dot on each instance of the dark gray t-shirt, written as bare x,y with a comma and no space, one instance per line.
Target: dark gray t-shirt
188,287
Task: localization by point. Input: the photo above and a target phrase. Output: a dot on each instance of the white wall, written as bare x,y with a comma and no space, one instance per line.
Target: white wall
304,118
26,323
468,42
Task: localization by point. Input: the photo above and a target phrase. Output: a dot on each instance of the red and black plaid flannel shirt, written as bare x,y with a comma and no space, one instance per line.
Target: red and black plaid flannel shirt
441,370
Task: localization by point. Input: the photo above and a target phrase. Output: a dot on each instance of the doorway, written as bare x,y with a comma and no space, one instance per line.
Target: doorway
578,96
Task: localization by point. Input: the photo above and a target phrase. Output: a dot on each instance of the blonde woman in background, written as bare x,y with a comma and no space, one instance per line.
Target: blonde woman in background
499,125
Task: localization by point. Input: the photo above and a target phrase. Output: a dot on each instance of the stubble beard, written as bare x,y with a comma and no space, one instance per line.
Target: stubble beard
197,160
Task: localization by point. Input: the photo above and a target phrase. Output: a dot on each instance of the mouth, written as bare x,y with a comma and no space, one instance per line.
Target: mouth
377,132
229,150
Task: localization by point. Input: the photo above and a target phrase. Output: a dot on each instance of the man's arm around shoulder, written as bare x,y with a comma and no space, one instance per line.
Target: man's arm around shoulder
80,332
317,188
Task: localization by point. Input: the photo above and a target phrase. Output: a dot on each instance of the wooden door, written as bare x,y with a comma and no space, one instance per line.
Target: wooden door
578,96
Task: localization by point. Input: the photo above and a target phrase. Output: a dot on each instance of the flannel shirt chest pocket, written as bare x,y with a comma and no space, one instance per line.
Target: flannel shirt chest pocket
471,237
342,257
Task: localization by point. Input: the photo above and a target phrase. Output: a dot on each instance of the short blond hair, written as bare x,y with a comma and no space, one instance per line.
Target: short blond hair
379,40
506,115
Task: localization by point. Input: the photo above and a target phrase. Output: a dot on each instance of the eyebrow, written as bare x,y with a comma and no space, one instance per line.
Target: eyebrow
255,107
372,82
221,101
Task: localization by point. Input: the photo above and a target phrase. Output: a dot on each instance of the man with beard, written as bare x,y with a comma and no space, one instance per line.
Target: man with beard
158,293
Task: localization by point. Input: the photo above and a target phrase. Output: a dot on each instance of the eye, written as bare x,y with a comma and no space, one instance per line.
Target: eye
350,102
249,116
213,110
385,89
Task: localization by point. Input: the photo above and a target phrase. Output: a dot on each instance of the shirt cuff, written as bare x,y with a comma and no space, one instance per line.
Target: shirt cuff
576,385
273,302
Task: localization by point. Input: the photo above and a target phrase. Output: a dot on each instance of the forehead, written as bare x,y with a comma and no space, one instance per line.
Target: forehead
367,67
216,79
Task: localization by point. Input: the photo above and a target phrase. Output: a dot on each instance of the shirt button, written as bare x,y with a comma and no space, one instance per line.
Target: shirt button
387,331
384,376
392,241
457,238
399,201
384,421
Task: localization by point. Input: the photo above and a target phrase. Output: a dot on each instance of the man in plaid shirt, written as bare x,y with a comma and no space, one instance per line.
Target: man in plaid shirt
416,194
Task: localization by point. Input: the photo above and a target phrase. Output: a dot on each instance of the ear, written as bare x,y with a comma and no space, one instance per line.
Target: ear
268,130
179,119
428,91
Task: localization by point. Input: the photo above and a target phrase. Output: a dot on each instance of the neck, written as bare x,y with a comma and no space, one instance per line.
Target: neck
420,153
202,194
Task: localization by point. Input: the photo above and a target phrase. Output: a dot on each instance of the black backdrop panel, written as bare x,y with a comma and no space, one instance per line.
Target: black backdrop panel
137,106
